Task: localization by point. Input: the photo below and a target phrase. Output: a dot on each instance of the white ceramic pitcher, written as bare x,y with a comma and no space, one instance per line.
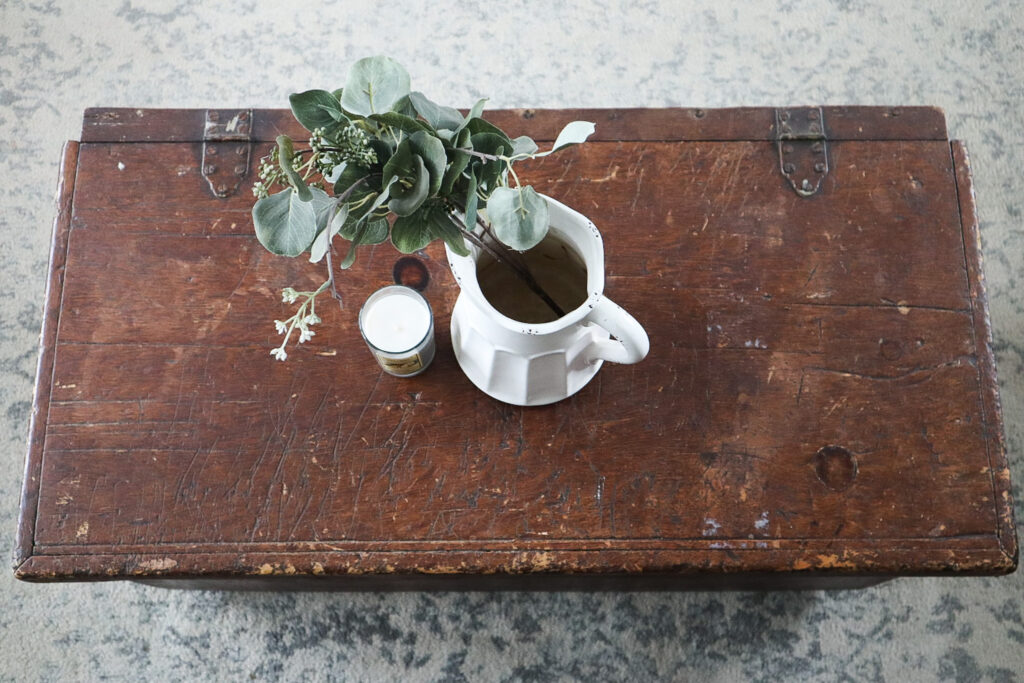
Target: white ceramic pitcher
535,364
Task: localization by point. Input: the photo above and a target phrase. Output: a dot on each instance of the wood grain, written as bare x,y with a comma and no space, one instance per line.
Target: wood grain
819,401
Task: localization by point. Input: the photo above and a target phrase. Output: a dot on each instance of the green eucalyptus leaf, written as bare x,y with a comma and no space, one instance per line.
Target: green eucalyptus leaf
375,85
323,206
371,229
285,154
474,113
376,231
350,256
437,116
489,143
316,109
366,228
381,149
523,145
573,134
404,107
472,201
404,201
338,220
368,232
399,121
401,163
519,216
413,232
324,237
478,125
349,176
445,228
432,151
285,224
384,195
457,162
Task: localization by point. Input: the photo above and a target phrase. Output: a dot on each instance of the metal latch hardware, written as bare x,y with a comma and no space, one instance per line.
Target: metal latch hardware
803,148
227,147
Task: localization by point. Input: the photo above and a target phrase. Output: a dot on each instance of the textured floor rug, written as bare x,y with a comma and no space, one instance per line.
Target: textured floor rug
57,58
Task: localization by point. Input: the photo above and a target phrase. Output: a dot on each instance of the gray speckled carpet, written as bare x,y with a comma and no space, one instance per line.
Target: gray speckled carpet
57,58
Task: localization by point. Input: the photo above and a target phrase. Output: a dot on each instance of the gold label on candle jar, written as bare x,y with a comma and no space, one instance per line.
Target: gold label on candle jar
401,366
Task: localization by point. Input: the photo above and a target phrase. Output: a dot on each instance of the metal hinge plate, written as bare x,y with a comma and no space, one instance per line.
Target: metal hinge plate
227,147
803,148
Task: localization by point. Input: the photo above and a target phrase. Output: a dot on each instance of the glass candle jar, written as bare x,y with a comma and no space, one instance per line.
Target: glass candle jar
398,326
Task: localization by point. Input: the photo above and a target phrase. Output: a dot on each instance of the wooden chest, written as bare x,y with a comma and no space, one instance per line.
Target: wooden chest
819,406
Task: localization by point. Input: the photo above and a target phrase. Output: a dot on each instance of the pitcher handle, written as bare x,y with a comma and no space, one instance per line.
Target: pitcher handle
630,344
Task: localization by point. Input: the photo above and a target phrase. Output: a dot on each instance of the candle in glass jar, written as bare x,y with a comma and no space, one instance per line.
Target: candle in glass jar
398,326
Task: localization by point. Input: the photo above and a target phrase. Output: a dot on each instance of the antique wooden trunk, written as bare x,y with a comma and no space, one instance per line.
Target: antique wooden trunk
819,406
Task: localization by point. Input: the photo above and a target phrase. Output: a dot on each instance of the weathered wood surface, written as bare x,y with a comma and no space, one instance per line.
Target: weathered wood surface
613,125
820,397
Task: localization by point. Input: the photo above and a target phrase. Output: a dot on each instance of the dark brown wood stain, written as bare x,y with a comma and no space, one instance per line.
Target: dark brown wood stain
819,404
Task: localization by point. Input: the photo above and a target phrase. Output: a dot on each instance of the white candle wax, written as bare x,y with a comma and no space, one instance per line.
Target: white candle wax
396,322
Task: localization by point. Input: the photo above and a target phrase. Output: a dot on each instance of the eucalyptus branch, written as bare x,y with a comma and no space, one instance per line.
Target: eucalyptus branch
481,155
330,277
377,121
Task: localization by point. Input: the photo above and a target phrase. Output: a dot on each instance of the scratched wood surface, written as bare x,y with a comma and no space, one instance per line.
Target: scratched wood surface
819,400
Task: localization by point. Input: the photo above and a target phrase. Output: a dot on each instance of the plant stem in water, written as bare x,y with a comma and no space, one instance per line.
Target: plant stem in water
519,269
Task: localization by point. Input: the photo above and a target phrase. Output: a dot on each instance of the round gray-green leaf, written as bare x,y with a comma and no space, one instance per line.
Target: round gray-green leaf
375,85
437,116
523,145
316,109
413,232
285,224
519,216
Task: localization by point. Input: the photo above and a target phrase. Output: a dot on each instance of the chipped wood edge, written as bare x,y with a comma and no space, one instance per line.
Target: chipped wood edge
64,200
819,558
995,436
